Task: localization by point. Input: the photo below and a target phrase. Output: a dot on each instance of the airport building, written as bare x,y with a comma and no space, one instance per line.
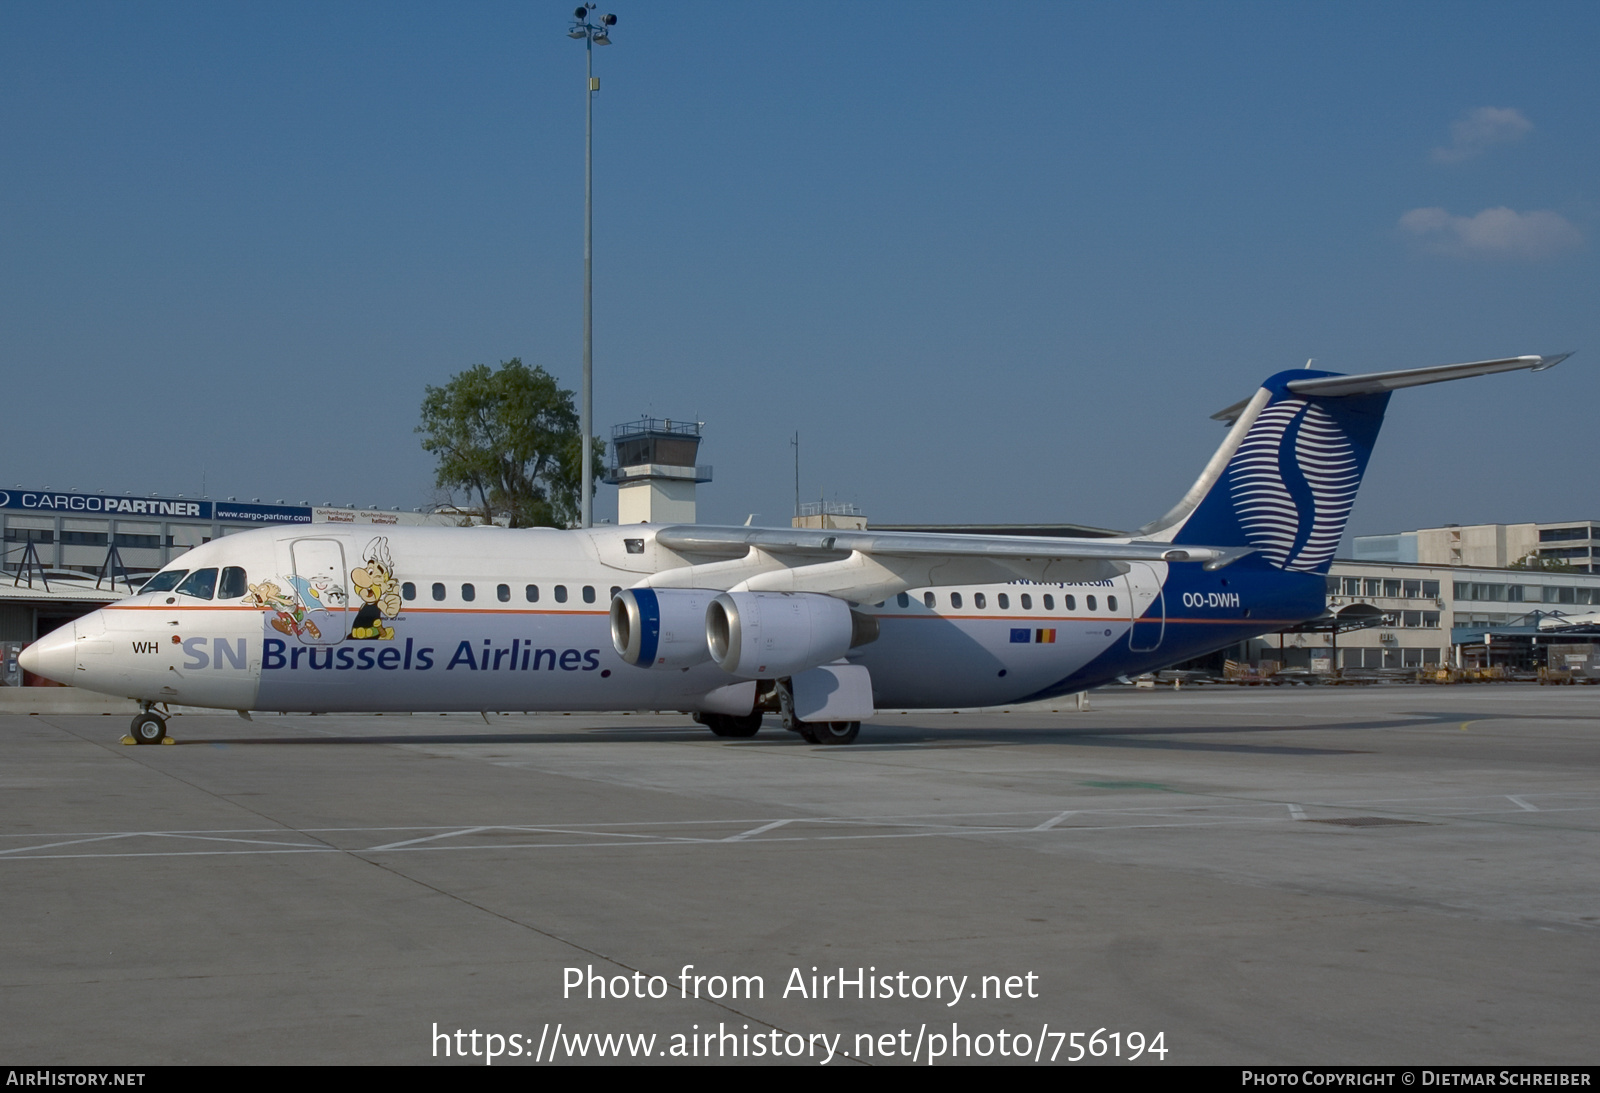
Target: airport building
1573,542
1421,615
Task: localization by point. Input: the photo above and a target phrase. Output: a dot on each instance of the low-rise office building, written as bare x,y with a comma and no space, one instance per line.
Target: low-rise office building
1575,543
1435,615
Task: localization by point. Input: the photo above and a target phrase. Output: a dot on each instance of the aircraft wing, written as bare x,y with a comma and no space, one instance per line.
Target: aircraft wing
867,566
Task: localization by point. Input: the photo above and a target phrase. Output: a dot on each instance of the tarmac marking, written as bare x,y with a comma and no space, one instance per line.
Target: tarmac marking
706,832
1048,824
756,831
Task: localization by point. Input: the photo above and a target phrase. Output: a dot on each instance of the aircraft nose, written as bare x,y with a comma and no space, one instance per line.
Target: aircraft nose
52,656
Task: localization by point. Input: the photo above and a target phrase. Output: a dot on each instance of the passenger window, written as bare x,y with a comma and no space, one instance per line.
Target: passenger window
588,593
1027,602
903,600
235,586
615,589
1071,602
955,599
165,582
438,591
1111,603
561,593
468,593
408,591
1003,600
201,584
1089,600
531,593
503,593
1049,602
978,600
929,600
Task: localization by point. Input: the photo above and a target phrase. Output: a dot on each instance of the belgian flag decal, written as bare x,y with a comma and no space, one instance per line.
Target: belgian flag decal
1022,636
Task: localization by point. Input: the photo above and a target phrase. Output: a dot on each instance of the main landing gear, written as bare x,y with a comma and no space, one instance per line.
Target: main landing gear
148,726
813,732
775,696
828,732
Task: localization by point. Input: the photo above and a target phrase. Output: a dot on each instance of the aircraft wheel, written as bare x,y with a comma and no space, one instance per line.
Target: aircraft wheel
730,726
834,732
149,728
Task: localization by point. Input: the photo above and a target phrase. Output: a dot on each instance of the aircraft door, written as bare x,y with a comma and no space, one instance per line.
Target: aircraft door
320,587
1149,607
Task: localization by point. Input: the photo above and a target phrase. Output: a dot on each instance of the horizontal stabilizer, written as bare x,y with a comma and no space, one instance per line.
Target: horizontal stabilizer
1374,382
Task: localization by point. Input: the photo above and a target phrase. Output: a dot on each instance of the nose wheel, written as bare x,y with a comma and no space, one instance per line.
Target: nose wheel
148,728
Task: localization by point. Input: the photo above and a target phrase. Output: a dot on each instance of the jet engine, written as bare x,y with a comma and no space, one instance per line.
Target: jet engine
766,635
661,627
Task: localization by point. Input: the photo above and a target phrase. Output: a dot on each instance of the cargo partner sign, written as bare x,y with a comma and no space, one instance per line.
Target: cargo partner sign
114,505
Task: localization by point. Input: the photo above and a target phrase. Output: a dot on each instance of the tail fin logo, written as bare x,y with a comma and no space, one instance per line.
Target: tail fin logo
1293,482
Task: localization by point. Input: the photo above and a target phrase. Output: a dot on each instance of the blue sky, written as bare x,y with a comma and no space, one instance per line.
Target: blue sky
993,264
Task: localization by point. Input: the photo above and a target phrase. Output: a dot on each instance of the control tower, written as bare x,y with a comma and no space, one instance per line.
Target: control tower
653,467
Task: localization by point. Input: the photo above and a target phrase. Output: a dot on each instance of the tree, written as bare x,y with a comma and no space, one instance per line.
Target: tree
1537,561
509,438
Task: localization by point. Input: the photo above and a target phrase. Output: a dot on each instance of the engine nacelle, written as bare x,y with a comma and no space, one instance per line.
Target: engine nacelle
661,627
765,635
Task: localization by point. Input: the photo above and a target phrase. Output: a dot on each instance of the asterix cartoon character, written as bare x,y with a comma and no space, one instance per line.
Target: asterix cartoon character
379,591
289,616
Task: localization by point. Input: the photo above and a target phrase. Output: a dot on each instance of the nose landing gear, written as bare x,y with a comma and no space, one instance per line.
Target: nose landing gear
148,727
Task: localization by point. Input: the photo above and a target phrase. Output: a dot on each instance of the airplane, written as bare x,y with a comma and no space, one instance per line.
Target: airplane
820,627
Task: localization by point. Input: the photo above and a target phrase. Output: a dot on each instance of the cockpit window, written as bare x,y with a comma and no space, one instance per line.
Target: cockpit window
165,581
235,585
200,584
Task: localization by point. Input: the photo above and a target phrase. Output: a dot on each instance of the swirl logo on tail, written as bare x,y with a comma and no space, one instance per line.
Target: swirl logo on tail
1293,482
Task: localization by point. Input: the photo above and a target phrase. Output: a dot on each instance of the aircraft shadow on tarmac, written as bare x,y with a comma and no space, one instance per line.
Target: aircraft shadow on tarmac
889,734
876,736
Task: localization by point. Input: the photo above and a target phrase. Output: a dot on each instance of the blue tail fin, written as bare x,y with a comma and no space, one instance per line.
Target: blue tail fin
1285,479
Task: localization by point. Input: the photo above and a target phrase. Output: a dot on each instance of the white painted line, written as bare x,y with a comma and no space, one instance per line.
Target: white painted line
72,842
427,838
1296,812
1048,824
221,839
756,831
1520,803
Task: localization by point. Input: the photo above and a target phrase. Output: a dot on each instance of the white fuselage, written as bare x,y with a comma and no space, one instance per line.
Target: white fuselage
490,618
